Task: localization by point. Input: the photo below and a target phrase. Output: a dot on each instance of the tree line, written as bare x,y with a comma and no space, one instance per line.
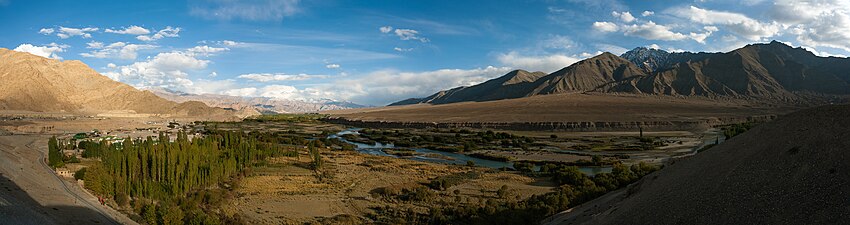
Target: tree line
162,173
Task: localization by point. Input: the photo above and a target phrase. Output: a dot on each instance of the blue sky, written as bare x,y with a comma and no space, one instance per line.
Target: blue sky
377,52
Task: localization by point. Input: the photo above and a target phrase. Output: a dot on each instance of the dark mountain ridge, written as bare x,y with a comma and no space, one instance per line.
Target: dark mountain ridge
771,71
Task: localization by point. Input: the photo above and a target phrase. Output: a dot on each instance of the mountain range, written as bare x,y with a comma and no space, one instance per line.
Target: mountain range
773,71
255,105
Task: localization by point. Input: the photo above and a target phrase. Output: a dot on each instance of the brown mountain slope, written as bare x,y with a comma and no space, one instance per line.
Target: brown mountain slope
789,171
587,75
515,84
774,72
39,84
582,76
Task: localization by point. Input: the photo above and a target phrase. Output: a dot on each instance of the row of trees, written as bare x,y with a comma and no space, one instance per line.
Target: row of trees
169,181
160,169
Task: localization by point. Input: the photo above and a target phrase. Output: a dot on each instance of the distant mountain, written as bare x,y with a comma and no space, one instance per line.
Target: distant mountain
35,83
772,71
259,105
652,60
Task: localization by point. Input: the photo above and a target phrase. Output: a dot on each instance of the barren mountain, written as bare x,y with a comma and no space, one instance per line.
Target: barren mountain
789,171
772,72
512,85
35,83
254,105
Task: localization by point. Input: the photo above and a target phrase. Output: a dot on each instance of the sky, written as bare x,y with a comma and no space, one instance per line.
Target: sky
379,52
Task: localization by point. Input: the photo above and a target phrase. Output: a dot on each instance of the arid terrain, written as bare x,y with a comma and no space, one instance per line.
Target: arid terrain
616,110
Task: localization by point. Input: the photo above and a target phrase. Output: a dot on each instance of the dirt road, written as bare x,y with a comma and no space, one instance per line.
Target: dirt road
32,194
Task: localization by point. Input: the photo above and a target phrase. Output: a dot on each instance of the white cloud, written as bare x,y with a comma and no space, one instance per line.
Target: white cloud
398,49
167,32
94,45
652,31
624,16
258,10
647,13
166,69
134,30
111,66
546,63
654,46
46,31
386,86
558,42
332,66
229,43
739,24
267,77
409,34
205,50
386,29
244,92
605,26
67,32
213,74
118,50
616,50
48,51
823,23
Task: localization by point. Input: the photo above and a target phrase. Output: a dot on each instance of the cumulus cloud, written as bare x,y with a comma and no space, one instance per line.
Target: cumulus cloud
267,77
167,32
652,31
647,13
67,32
258,10
824,23
386,29
399,49
739,24
624,16
120,50
48,51
166,69
546,63
332,66
134,30
605,26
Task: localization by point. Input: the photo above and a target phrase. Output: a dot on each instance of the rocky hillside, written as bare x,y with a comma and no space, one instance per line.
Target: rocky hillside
254,105
789,171
511,85
39,84
773,71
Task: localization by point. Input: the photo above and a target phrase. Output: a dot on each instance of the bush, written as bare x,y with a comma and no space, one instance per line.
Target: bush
80,174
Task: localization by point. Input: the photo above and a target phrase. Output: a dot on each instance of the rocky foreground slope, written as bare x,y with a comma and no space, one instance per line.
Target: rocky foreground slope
772,72
793,170
34,83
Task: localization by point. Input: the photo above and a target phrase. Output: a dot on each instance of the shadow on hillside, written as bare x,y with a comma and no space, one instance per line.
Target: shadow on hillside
17,207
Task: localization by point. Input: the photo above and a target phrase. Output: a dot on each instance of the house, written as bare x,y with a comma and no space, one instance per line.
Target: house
63,172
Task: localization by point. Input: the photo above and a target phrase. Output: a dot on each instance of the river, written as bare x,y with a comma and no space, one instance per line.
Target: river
444,157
